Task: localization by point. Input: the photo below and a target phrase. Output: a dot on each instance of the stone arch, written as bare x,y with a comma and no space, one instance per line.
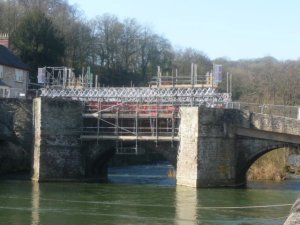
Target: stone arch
262,152
97,155
14,159
168,150
251,149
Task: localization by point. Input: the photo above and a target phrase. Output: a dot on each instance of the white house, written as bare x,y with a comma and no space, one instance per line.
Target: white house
14,75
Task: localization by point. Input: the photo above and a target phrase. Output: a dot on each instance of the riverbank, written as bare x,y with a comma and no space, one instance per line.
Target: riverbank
271,166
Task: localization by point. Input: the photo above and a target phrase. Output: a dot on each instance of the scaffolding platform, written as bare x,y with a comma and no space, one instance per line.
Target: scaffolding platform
134,114
129,138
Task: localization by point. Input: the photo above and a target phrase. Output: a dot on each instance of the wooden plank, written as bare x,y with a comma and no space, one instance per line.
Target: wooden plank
184,86
127,116
128,138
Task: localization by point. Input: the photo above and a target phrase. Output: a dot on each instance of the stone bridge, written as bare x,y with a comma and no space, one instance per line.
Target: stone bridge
215,147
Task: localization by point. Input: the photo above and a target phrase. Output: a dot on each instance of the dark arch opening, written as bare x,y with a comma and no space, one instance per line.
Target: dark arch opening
96,157
15,161
100,155
259,174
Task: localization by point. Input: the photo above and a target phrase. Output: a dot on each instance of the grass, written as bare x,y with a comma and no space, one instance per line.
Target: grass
171,173
271,166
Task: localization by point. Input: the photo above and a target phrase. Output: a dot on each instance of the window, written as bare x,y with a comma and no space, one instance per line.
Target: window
4,92
19,75
1,72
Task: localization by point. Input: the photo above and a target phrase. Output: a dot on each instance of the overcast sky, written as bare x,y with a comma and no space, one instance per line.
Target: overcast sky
237,29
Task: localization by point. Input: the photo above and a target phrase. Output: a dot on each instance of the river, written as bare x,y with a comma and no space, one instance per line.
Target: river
143,195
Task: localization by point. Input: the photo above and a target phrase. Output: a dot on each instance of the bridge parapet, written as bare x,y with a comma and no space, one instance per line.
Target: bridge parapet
276,110
273,123
270,127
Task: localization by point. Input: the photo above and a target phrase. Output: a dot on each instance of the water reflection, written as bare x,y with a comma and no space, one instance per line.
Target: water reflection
144,199
186,205
35,194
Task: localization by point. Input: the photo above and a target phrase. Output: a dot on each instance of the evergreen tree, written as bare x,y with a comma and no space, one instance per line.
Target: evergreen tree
38,42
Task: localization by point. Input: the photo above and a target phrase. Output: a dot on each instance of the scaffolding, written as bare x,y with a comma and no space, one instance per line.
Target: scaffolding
173,79
129,122
64,78
164,96
129,115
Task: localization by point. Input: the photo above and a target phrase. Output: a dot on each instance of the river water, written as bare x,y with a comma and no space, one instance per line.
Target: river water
143,195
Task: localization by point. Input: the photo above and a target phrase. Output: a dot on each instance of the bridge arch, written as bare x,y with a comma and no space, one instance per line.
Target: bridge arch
97,156
262,153
250,150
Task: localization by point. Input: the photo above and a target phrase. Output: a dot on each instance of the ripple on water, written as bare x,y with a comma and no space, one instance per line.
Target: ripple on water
144,195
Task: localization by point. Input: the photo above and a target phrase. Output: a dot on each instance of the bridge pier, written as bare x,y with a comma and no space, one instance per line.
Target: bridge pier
57,153
207,154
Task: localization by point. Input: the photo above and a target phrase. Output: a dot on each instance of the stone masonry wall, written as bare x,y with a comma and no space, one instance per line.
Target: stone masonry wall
272,123
57,152
206,154
187,159
16,133
217,156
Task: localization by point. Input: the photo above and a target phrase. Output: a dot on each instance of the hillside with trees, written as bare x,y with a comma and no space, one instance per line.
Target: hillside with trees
265,80
124,52
54,33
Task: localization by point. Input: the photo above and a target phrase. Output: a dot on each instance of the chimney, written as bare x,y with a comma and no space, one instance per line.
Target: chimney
4,39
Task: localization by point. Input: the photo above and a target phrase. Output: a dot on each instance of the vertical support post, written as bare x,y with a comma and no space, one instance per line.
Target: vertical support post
187,173
173,127
195,74
172,79
136,127
192,97
82,78
117,147
192,75
117,123
230,84
262,109
176,75
156,124
136,119
98,122
117,130
89,78
96,81
158,82
37,138
227,80
73,78
82,123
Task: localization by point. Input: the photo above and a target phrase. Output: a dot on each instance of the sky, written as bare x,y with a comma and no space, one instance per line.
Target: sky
235,29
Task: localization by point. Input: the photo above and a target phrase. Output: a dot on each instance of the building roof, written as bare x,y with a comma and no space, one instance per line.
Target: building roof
3,84
7,58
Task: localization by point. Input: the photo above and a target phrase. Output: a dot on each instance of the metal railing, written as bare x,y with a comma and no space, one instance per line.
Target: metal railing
276,110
